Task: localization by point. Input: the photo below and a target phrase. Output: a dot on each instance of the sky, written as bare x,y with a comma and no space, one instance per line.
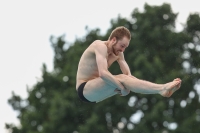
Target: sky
26,26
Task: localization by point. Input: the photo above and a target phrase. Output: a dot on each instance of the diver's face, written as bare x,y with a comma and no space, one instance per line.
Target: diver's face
120,45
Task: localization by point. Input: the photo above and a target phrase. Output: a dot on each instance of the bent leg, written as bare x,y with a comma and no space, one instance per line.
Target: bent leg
146,87
97,90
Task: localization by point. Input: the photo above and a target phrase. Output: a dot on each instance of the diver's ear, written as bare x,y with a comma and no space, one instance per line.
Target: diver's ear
114,40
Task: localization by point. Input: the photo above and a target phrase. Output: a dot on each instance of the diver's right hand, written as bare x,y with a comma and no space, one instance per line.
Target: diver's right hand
125,92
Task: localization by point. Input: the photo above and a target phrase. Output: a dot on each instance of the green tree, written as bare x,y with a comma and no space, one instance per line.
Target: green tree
156,53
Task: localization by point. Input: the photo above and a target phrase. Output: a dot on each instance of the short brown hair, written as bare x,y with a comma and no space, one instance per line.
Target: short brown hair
120,32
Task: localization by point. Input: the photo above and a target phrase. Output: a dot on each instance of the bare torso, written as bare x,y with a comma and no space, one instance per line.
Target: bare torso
87,68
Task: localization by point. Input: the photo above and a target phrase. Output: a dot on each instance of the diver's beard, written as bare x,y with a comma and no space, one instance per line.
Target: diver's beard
113,49
115,52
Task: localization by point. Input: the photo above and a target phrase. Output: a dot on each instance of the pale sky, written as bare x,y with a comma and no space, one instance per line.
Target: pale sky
26,26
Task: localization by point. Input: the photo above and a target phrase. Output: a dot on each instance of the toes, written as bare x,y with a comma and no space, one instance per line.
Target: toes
177,79
176,86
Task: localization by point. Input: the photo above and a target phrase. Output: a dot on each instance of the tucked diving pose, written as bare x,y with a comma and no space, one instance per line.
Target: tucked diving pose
95,83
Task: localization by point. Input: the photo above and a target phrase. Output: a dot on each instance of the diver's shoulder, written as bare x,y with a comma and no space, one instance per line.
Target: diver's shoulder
99,43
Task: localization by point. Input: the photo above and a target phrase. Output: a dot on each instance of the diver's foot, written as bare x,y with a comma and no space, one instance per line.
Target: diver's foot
171,87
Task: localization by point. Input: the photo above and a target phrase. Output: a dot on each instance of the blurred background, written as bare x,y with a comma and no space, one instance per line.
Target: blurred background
41,43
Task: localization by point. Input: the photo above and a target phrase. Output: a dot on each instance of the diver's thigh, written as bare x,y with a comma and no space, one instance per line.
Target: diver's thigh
97,89
97,84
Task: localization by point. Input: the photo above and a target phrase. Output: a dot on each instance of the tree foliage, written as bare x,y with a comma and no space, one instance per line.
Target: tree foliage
156,53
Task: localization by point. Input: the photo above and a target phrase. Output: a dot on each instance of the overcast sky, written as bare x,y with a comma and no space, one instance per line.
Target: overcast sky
25,28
